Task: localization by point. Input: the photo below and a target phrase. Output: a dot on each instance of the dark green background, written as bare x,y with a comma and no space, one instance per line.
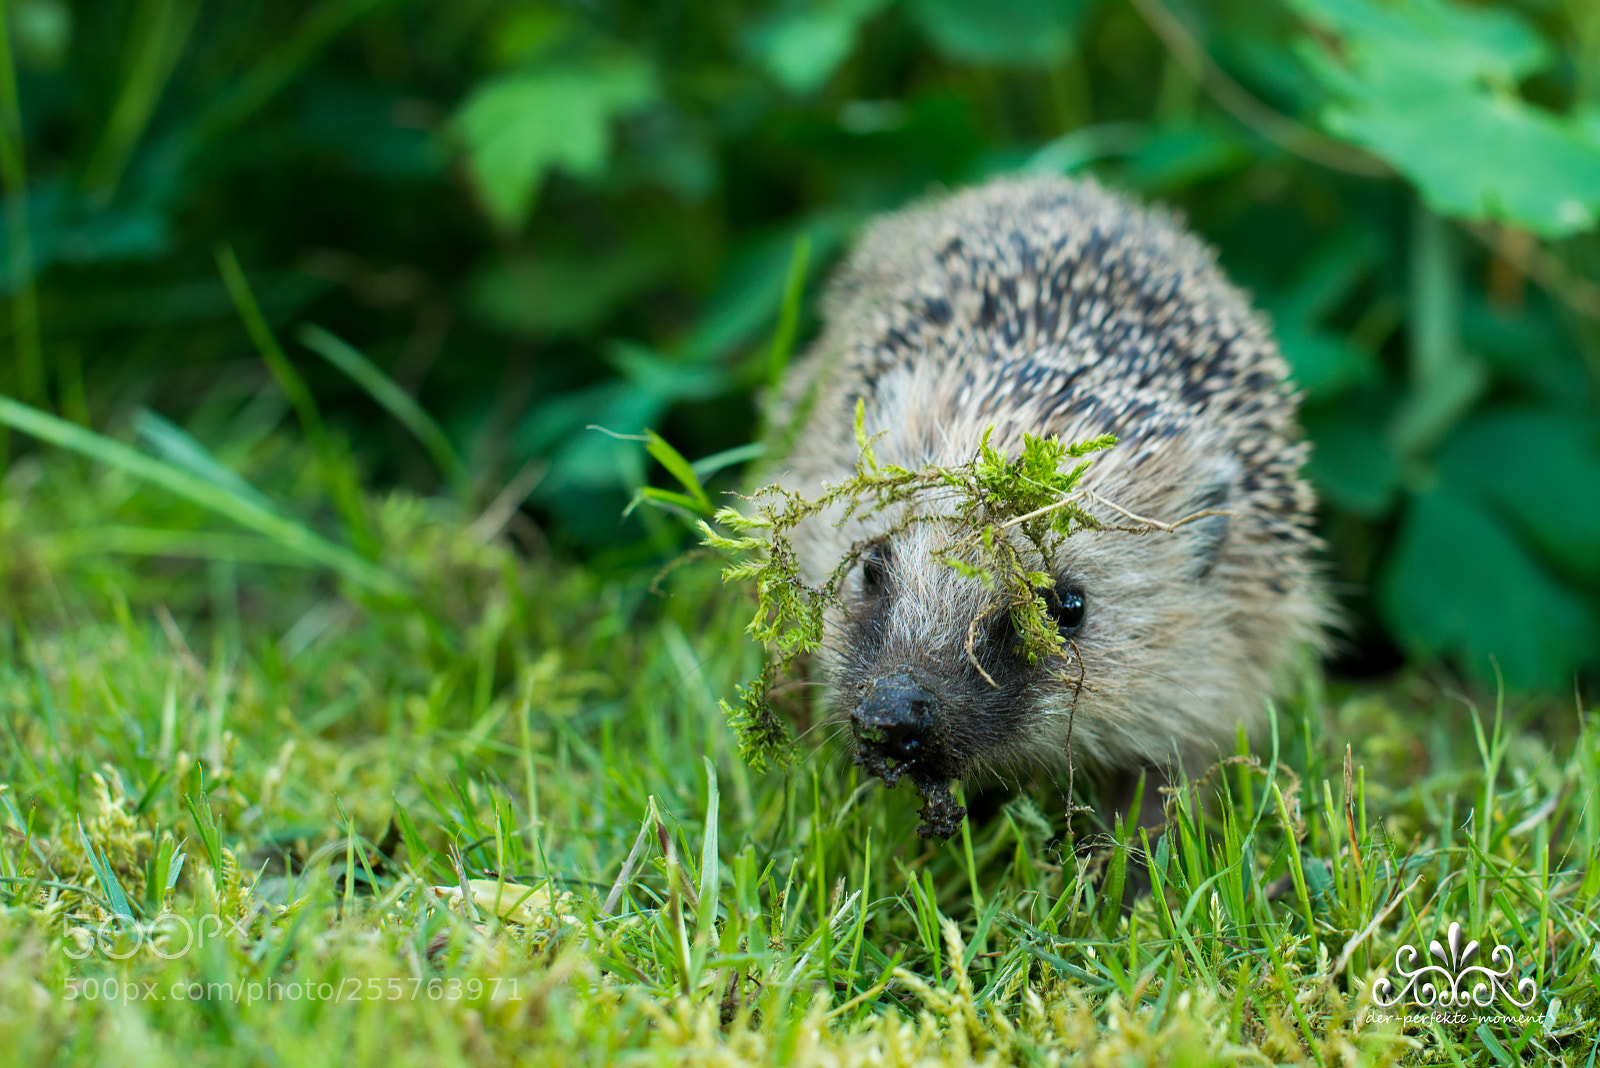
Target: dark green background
542,216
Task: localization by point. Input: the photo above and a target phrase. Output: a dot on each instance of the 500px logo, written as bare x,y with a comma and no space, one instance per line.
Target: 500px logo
168,937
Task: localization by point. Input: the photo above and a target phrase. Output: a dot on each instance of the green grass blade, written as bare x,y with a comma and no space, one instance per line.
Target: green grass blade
680,503
157,541
159,874
794,287
165,35
285,532
106,875
14,179
177,447
337,477
206,824
255,324
678,467
278,66
707,466
394,400
710,864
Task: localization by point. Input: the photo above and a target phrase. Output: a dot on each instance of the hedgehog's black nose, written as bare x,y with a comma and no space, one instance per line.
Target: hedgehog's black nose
896,718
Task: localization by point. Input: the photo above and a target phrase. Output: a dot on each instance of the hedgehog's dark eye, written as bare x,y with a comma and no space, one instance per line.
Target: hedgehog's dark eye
874,570
1067,608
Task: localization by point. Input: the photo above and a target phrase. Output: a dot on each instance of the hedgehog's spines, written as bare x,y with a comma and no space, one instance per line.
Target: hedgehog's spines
1055,308
1067,281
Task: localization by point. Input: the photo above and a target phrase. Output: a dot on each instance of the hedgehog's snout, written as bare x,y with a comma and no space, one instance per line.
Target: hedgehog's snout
895,720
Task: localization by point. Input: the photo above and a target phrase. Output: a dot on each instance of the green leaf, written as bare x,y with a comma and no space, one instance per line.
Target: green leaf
1013,33
1328,274
588,462
1444,380
1078,148
1176,156
1459,583
520,32
1430,409
1324,364
1528,349
802,49
1484,157
1430,87
516,128
1431,40
564,292
668,377
1587,116
1351,464
1541,470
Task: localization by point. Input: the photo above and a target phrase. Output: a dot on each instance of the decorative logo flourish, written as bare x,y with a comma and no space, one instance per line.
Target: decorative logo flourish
1455,982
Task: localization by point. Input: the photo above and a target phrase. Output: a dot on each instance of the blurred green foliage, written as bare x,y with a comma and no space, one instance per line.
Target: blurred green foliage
498,223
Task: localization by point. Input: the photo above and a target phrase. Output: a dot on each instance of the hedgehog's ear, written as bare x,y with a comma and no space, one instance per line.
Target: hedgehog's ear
1209,532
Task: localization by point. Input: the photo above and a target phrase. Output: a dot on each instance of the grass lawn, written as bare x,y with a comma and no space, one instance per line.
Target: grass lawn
264,802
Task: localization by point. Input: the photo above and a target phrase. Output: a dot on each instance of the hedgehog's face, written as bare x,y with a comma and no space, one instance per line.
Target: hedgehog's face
929,668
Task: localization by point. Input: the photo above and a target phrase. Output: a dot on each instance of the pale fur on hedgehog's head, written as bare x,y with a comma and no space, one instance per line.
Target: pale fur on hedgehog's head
1183,632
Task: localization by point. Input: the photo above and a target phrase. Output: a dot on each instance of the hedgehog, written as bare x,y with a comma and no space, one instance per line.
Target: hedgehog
1052,307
